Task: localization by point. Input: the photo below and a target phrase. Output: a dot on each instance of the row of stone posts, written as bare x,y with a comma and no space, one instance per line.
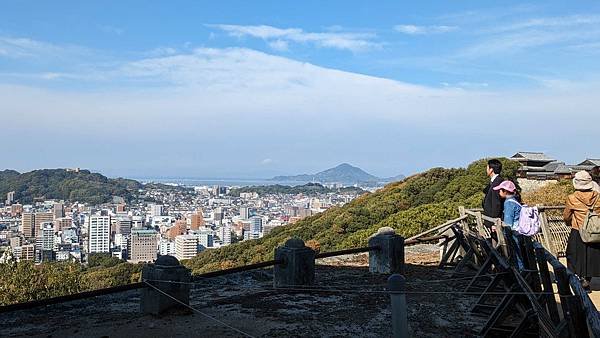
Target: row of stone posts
297,269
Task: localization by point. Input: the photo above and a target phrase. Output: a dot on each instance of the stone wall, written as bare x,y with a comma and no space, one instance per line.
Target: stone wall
528,185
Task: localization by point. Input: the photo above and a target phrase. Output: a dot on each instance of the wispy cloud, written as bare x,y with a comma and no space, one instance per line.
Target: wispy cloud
576,21
279,38
514,37
112,29
418,30
19,47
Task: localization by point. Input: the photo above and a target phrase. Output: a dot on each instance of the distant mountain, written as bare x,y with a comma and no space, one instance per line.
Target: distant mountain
343,173
82,185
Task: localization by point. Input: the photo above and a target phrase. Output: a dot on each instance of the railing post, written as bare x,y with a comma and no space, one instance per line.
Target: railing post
481,225
390,256
298,267
546,232
397,288
166,269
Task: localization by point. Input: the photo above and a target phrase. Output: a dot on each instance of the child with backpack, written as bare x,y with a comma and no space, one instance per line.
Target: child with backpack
512,207
511,214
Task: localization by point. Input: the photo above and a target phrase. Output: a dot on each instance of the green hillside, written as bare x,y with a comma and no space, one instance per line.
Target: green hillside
410,206
82,186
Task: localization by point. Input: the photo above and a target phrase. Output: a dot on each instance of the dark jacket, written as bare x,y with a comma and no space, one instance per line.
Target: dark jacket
492,203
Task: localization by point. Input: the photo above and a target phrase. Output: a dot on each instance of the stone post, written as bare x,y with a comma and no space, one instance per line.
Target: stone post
298,267
397,288
390,257
165,268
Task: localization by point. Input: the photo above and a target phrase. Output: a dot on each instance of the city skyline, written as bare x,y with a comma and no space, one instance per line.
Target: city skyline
257,90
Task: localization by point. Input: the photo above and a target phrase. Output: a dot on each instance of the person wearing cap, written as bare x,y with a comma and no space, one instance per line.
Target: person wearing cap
511,214
582,258
512,208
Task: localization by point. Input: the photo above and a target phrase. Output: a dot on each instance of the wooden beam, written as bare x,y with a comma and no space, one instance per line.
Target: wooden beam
437,228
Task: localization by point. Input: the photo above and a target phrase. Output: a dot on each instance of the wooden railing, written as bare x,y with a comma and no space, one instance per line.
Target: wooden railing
521,268
553,235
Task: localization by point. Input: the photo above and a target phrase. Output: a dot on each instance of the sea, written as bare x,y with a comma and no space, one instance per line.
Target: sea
224,182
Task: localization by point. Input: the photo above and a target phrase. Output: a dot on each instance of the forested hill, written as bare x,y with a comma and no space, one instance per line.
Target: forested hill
306,189
82,186
410,206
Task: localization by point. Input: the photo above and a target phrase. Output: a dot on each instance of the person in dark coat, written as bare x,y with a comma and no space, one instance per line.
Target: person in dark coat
582,258
492,202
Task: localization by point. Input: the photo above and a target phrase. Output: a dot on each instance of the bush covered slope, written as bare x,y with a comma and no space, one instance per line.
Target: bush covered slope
410,206
82,186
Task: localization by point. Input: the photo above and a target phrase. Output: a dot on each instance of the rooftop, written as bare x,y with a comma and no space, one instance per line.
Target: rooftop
591,161
532,156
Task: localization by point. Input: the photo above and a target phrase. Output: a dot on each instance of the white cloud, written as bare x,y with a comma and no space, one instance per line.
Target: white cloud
266,161
239,84
218,98
414,30
337,40
279,45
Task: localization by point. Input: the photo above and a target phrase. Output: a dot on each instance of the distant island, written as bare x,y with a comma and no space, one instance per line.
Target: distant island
343,173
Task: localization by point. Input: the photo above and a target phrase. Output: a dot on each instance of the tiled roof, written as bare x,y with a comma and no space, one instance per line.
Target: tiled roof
591,161
534,156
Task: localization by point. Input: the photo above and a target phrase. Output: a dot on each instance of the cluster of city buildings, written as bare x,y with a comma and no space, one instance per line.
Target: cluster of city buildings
161,220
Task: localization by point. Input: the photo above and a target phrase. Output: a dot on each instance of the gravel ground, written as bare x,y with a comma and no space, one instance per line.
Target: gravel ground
349,302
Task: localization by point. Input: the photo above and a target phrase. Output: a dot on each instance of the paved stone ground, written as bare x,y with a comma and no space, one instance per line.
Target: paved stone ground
247,302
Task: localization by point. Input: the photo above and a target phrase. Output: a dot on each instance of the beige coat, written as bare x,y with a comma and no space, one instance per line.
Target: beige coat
577,207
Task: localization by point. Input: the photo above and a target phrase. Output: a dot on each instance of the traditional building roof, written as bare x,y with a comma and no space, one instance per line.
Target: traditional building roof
532,156
591,161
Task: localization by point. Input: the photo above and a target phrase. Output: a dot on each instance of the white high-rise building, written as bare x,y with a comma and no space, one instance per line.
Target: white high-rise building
47,236
256,225
186,246
205,238
166,247
226,234
98,228
156,210
244,212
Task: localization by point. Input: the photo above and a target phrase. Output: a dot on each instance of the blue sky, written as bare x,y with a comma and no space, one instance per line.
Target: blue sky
255,89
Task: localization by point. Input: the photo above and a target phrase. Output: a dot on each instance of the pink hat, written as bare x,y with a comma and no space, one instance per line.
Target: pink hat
506,185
